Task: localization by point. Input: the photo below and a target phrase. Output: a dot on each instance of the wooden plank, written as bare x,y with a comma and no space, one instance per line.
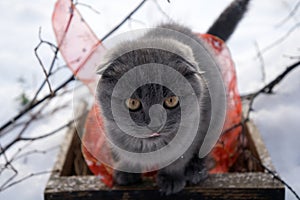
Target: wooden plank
231,194
259,146
255,141
63,163
217,186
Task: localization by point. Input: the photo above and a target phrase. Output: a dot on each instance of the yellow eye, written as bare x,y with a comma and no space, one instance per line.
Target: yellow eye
171,102
133,104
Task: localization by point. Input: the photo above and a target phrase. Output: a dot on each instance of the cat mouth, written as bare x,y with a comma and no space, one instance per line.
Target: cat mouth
154,135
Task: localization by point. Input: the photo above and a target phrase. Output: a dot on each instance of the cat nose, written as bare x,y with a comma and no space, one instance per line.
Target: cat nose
155,128
158,117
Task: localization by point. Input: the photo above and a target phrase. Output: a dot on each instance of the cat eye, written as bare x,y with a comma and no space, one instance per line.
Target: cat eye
133,104
171,102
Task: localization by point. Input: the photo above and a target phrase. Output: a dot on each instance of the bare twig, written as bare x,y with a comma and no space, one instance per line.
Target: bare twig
39,117
124,20
281,39
162,11
275,175
35,102
47,74
290,15
262,62
19,138
136,21
268,89
291,57
76,3
26,125
47,134
8,185
35,151
29,108
8,163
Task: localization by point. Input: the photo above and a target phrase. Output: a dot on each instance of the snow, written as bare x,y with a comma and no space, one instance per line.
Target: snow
277,116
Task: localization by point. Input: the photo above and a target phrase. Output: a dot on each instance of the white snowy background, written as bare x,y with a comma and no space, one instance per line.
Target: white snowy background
277,116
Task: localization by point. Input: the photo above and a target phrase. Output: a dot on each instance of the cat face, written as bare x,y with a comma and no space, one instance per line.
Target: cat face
163,121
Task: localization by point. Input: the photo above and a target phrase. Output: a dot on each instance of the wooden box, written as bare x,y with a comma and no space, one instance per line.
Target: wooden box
73,180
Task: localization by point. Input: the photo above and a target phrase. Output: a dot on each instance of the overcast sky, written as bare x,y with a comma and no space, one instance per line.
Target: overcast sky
277,116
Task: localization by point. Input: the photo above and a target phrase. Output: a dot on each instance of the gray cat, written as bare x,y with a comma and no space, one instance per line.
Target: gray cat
181,55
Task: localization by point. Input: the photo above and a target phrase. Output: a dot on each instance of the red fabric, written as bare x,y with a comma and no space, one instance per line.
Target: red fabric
78,44
81,50
225,151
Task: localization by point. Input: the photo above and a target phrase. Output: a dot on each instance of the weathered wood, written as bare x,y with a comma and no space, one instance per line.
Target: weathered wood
217,186
254,185
259,148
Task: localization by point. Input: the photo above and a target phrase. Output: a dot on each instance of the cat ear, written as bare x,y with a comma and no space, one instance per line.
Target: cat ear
102,68
188,58
106,61
190,68
200,72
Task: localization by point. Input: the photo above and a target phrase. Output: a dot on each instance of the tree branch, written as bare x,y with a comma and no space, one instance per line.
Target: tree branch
268,89
34,103
124,20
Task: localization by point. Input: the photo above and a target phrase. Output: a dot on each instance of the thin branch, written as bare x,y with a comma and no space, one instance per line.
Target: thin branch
19,138
124,20
136,21
34,102
25,127
47,134
26,110
47,75
43,67
41,63
290,15
275,175
251,97
162,11
232,127
262,62
6,186
268,89
41,116
35,151
291,57
76,3
8,163
281,39
54,131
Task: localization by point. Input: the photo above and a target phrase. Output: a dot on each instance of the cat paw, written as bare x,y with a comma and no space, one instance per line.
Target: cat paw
170,184
196,172
124,178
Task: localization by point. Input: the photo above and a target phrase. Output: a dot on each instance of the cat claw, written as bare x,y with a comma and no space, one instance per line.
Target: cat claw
170,184
196,171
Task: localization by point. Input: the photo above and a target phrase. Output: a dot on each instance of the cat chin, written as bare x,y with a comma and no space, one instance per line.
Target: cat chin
142,145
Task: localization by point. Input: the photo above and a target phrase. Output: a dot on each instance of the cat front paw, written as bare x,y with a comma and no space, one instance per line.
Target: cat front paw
124,178
170,184
196,172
